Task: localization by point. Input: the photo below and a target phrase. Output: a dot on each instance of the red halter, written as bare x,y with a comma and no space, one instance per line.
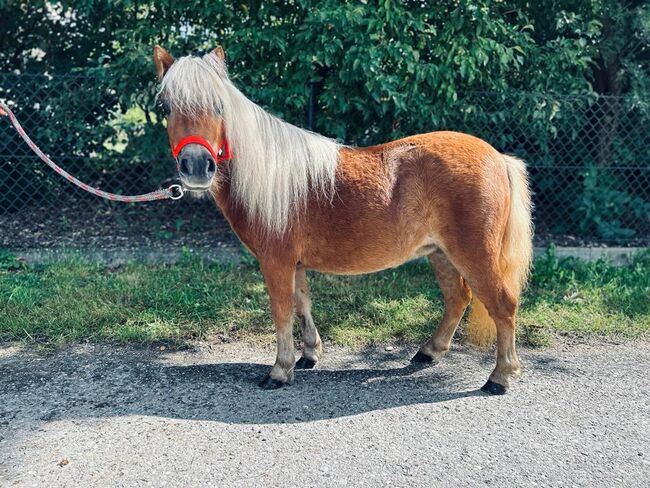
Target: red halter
222,154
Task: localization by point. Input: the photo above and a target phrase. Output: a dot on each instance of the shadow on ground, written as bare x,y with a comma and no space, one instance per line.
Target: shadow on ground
198,418
93,381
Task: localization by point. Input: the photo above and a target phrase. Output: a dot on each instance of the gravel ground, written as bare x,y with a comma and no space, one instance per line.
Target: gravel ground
121,416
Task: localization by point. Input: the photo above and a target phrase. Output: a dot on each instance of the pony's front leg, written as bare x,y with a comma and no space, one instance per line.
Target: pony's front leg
279,280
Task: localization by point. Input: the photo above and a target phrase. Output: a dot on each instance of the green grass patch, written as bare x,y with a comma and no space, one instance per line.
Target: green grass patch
74,301
574,297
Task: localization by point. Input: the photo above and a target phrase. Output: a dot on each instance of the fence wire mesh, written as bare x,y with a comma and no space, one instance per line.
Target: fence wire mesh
587,155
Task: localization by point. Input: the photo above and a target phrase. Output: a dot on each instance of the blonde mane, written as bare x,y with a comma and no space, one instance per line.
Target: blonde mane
275,164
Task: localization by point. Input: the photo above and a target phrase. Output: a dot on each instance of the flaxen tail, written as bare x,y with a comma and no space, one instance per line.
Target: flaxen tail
516,251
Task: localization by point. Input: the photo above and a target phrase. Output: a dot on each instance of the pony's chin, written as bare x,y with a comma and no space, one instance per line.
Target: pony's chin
197,191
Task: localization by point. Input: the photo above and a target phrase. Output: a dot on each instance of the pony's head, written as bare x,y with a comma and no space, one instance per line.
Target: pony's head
195,125
275,166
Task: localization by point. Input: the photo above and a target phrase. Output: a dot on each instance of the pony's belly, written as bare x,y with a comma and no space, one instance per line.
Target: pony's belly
371,262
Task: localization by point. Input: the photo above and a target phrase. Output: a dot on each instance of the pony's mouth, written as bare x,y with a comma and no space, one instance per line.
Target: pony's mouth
196,188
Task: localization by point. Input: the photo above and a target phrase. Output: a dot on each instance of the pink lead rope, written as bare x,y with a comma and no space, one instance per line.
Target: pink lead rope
173,192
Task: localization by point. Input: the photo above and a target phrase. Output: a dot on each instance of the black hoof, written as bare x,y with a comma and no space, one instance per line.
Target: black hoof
305,363
422,358
269,383
493,388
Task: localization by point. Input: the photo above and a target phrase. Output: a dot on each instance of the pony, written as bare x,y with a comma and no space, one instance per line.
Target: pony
301,201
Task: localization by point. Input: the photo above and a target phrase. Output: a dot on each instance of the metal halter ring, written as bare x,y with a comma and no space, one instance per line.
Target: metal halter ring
176,192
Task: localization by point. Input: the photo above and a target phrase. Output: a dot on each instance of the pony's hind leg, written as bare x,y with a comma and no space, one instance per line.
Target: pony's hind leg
508,365
501,305
456,295
312,344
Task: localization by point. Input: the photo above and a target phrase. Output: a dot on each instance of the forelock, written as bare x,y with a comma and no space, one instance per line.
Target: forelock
191,85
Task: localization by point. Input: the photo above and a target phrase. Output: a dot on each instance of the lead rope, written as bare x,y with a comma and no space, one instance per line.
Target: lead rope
173,192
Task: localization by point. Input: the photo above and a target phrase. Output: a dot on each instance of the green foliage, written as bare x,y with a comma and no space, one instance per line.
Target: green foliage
386,68
604,207
383,69
584,285
9,262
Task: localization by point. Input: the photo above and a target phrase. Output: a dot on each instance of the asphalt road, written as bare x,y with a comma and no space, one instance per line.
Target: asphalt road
118,416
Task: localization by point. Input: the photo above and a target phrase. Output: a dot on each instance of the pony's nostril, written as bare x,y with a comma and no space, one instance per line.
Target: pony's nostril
185,166
212,167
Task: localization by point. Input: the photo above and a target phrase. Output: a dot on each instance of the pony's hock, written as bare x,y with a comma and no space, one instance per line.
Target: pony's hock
301,201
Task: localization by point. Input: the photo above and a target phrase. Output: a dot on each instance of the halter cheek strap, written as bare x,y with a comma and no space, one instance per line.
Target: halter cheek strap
222,154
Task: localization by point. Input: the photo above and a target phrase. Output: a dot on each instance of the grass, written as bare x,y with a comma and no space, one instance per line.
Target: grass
75,301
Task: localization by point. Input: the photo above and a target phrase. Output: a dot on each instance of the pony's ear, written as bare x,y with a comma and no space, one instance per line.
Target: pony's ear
219,53
163,60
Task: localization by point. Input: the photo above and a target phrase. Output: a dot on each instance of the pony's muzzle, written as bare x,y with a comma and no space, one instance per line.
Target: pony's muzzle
196,167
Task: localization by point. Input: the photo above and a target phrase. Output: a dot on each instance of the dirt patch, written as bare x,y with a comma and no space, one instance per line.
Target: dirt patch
76,225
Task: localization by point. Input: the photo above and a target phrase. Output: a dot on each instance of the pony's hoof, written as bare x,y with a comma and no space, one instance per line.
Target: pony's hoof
494,388
421,358
305,363
269,383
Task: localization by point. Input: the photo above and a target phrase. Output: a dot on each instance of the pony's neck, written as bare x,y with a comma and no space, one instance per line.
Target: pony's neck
275,164
239,220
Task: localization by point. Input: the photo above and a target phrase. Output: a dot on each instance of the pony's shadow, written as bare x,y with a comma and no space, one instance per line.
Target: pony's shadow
316,394
106,386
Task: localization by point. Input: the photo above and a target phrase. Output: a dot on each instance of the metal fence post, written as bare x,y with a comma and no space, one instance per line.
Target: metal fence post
314,86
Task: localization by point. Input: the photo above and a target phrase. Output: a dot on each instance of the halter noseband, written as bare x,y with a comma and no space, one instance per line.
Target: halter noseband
222,154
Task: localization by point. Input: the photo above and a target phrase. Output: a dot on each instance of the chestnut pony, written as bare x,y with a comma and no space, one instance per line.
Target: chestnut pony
299,201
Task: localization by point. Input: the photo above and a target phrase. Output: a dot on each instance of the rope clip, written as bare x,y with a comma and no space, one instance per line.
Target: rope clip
176,192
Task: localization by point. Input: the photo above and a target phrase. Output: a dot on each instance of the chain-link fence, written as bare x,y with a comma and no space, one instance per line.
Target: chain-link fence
588,158
587,155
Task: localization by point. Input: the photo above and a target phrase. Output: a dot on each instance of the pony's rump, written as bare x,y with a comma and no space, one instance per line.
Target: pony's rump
516,251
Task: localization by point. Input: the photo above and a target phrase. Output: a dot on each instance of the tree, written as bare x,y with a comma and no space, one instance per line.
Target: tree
383,68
